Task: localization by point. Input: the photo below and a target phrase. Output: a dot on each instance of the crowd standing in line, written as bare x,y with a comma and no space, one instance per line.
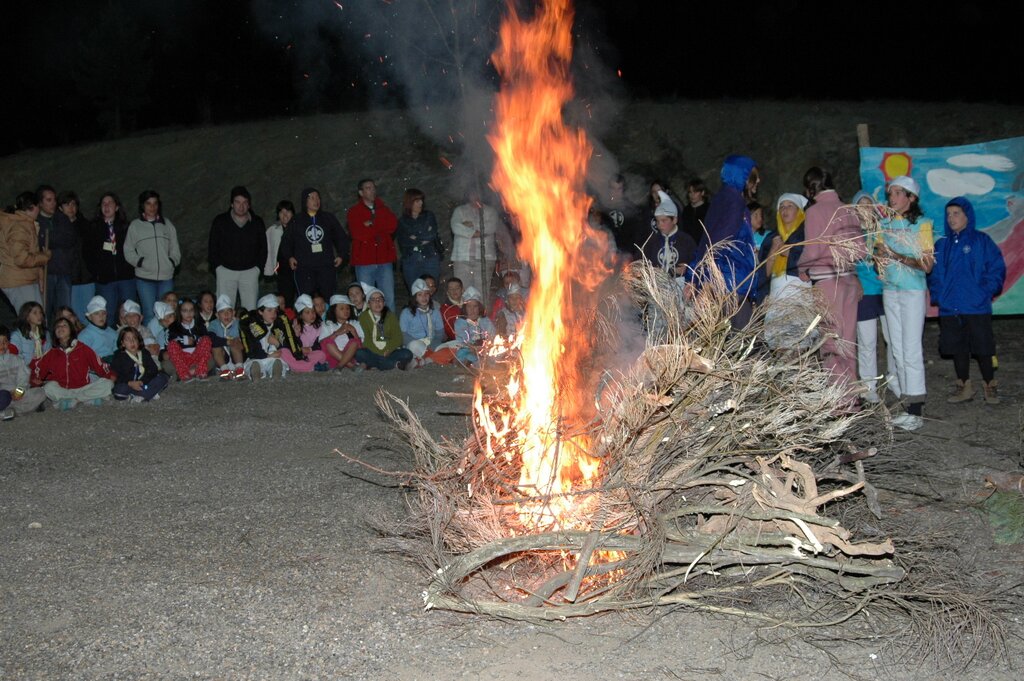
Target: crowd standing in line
58,268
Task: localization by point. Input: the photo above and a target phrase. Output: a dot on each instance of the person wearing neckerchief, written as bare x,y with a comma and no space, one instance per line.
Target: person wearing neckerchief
138,378
64,371
264,334
382,336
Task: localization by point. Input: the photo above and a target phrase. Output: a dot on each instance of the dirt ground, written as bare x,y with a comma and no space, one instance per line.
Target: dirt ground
216,534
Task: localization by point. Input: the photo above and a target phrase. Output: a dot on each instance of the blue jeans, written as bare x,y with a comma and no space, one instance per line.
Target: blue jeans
416,265
381,276
150,292
384,363
115,293
58,294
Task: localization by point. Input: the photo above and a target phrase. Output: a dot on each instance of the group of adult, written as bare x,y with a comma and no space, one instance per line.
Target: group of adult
873,265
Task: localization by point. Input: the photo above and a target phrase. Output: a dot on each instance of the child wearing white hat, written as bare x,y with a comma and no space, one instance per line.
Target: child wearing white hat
226,338
97,335
382,348
264,333
307,333
472,328
422,325
131,315
341,335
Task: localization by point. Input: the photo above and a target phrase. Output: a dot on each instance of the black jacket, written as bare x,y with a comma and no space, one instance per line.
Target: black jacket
104,265
127,370
237,248
253,329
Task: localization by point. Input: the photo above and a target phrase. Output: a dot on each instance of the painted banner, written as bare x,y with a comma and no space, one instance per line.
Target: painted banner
989,174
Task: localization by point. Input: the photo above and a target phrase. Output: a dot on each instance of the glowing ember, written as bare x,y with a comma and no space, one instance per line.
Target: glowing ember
540,171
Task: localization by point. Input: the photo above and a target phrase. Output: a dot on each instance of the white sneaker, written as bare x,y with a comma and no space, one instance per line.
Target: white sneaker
7,414
136,399
908,421
871,397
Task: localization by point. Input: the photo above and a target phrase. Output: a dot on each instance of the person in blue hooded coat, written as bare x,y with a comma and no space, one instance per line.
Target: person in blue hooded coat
730,234
969,272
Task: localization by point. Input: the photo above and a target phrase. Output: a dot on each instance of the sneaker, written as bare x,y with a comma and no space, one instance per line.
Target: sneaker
321,366
239,372
908,422
96,402
155,397
136,399
992,392
871,397
255,373
65,405
962,391
403,365
278,370
226,373
7,414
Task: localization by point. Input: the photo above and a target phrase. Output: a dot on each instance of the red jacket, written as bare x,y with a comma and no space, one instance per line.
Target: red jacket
449,313
373,244
70,368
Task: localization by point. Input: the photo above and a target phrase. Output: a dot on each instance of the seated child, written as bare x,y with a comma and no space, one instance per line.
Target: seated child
226,341
188,345
17,396
422,326
264,333
382,336
131,315
64,371
472,328
30,337
138,378
451,309
206,308
70,315
341,335
510,316
307,334
97,335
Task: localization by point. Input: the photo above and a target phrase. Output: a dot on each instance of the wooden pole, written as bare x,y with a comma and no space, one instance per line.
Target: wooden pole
863,138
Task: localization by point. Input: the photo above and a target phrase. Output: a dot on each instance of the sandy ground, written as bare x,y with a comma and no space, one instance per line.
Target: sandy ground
215,534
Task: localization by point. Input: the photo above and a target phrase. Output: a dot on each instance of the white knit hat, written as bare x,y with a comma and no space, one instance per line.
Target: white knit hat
799,200
908,183
418,286
162,309
96,304
515,289
269,300
472,294
303,302
131,307
224,303
339,299
666,206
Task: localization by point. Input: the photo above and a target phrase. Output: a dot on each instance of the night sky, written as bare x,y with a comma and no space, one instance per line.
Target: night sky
95,69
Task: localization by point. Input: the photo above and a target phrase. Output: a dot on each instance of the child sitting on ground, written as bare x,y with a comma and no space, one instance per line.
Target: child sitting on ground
17,396
64,371
226,342
188,345
341,335
138,378
264,333
473,328
131,315
97,335
307,334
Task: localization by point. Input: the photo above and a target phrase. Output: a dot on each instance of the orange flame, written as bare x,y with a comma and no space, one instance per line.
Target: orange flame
540,173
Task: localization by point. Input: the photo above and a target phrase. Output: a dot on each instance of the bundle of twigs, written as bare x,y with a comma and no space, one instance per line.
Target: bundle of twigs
720,461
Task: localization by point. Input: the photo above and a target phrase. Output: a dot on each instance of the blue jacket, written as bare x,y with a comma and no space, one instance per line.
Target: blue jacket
417,325
728,222
969,269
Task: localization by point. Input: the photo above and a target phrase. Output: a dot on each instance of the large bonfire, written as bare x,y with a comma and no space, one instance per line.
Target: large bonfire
699,474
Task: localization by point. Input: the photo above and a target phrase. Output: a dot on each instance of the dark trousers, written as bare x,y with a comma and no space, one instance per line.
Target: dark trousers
148,392
309,280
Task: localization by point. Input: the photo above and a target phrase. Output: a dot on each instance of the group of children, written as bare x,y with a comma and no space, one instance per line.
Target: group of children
133,360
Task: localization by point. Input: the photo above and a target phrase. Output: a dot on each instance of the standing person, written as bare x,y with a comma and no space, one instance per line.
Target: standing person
83,288
46,199
782,247
668,248
418,239
22,261
276,266
151,246
64,249
870,311
470,235
372,226
64,371
906,255
728,224
103,249
314,246
835,243
969,272
238,249
622,217
691,220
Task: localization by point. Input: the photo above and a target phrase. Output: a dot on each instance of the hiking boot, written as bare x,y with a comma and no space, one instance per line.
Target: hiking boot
991,392
963,391
278,370
255,373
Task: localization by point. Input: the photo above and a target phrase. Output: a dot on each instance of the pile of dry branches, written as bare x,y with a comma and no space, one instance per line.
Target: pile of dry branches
726,467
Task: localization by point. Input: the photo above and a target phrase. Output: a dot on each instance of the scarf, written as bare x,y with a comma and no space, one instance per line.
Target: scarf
140,368
37,343
378,329
785,231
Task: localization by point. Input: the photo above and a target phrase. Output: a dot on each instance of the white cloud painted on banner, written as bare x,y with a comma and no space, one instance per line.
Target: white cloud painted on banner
994,162
949,183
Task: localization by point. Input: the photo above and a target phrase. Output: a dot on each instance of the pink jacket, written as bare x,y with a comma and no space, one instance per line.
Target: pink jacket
834,238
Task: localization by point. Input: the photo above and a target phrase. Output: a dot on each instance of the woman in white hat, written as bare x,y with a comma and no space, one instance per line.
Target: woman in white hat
341,334
422,326
97,335
264,334
473,328
905,256
382,334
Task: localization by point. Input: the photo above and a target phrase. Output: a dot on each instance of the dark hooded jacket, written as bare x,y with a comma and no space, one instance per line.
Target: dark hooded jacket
307,231
106,264
728,222
969,270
